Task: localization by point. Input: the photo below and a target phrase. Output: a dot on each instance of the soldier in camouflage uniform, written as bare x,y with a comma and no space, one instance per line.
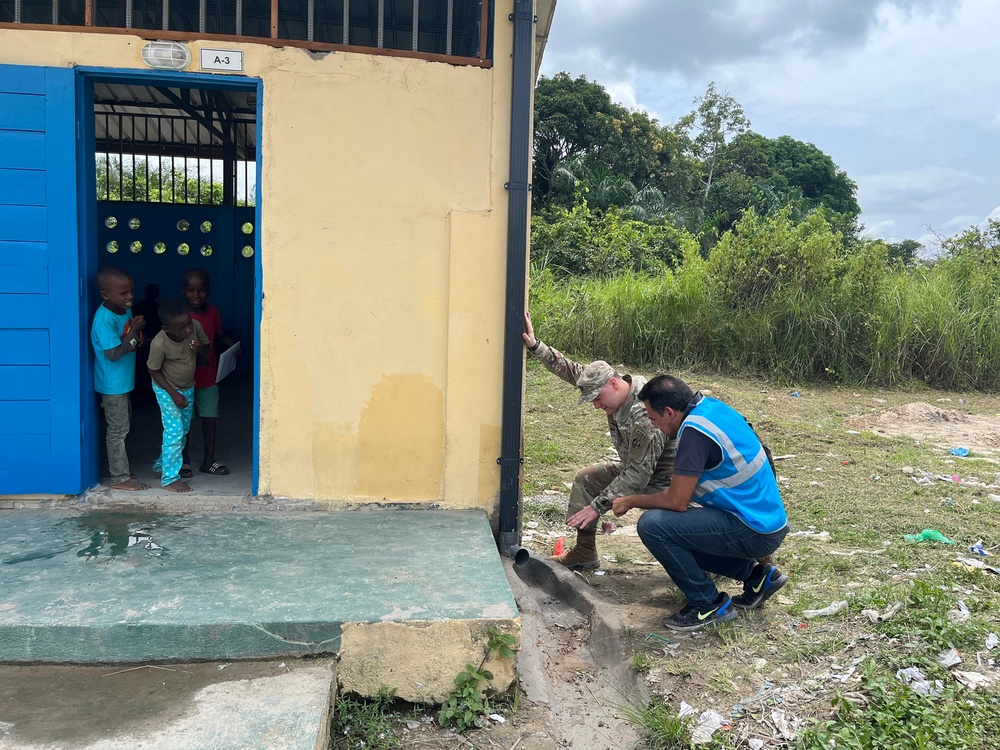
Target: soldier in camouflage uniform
645,455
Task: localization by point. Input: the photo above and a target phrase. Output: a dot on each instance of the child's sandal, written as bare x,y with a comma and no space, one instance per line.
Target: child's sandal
186,472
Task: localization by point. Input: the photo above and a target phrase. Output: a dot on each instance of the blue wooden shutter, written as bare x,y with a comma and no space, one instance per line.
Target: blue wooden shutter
41,345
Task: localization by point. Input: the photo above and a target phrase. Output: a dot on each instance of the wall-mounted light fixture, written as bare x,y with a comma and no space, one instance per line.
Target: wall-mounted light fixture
166,55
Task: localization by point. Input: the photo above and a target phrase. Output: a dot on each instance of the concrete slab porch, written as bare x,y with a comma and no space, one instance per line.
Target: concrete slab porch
404,597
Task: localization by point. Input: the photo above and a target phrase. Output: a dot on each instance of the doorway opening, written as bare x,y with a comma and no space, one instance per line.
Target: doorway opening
171,167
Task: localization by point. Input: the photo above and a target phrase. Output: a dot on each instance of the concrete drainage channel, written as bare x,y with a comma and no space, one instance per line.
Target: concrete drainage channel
573,660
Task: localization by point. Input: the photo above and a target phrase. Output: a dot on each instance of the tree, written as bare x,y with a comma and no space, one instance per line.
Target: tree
904,252
718,119
786,164
154,182
572,118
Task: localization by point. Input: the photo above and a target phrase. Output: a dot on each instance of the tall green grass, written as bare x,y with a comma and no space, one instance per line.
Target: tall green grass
868,324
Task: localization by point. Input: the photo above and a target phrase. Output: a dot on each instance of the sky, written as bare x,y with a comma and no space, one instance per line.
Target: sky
903,95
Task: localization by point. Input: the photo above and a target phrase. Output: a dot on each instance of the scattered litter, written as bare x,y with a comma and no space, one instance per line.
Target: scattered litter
222,666
832,609
959,616
913,677
796,394
844,677
814,536
814,483
949,658
600,572
928,535
908,470
551,492
6,727
994,498
959,451
685,710
412,725
878,400
853,552
532,524
560,546
942,400
876,617
783,724
708,723
853,432
755,743
972,680
658,637
978,549
992,641
497,718
783,457
975,563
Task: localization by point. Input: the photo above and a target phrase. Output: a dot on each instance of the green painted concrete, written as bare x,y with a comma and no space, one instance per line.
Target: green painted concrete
116,587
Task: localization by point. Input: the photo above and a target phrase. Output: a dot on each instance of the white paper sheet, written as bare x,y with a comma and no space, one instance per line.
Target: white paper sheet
227,361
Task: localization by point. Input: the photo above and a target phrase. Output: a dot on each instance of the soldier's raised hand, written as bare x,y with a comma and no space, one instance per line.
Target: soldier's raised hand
529,332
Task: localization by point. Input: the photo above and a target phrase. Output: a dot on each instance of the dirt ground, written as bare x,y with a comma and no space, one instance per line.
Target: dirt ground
943,427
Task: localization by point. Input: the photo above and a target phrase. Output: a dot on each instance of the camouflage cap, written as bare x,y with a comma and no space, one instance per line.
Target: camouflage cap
594,377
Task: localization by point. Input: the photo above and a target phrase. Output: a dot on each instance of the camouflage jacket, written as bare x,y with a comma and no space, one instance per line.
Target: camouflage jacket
646,454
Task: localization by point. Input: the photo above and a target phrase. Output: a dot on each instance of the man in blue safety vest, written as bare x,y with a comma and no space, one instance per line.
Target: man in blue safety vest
722,466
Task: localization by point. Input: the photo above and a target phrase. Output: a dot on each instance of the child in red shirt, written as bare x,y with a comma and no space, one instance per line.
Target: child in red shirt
196,287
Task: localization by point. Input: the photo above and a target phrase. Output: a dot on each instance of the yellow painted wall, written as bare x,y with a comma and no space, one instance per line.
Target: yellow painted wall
383,242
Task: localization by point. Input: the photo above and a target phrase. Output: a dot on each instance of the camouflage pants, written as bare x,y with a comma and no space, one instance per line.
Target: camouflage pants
118,415
591,481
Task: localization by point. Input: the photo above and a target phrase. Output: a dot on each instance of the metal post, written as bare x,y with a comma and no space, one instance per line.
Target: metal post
416,25
128,14
202,15
311,22
17,11
55,12
381,23
448,32
165,23
347,21
239,17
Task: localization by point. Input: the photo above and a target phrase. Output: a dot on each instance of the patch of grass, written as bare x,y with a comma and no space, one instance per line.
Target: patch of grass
661,726
641,662
358,722
623,558
549,513
895,717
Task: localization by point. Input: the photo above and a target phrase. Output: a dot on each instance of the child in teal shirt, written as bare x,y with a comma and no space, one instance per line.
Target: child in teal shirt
115,335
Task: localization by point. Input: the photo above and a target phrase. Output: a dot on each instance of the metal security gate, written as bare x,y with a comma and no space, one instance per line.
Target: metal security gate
41,295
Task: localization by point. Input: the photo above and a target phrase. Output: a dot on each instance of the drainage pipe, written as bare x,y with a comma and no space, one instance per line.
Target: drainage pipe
519,192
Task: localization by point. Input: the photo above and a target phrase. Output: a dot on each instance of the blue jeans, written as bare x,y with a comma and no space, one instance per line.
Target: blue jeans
693,543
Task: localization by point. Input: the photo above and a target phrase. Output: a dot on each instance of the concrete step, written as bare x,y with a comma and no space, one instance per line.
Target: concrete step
215,706
406,597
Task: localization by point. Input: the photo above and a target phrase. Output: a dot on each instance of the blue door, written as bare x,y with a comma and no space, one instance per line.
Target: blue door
42,333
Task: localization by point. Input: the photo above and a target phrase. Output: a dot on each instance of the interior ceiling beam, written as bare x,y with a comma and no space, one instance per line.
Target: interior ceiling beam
195,114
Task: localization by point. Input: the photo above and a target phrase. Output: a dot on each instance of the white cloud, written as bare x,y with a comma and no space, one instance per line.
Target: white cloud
895,91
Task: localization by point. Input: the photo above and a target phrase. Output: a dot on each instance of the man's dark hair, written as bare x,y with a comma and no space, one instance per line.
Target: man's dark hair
666,391
106,275
172,310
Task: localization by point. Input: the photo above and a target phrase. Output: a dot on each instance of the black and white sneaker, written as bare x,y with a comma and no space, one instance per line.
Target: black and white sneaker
695,618
764,581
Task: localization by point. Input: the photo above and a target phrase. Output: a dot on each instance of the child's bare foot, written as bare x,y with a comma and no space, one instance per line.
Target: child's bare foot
178,486
131,484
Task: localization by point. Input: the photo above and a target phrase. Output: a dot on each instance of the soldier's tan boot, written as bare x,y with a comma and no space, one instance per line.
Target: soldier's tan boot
584,555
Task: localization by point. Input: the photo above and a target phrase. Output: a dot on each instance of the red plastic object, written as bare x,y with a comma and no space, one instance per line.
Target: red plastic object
560,548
